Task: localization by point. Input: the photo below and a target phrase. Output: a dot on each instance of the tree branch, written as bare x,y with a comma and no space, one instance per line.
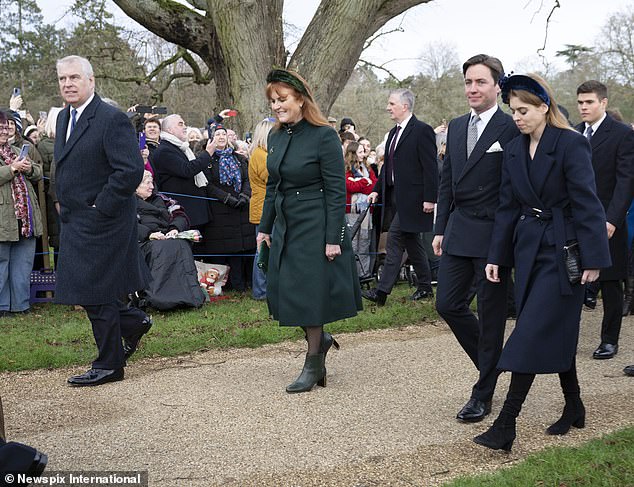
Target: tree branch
172,21
381,68
540,51
369,41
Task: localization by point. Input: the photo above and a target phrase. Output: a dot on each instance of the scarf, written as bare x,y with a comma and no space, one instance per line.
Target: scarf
229,169
199,179
19,191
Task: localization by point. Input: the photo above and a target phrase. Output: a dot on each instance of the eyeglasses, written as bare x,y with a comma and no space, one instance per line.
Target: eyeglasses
4,128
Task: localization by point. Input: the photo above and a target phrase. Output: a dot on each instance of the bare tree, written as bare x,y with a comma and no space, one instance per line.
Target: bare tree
616,45
240,40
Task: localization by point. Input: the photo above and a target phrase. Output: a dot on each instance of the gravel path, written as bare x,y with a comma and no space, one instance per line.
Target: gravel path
386,418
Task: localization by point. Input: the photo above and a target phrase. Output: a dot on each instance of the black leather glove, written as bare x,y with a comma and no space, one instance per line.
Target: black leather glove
244,197
231,201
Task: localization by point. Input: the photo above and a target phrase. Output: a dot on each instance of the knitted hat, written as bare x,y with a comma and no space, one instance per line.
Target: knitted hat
29,130
18,121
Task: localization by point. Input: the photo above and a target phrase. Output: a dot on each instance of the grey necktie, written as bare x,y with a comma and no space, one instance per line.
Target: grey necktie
589,133
472,134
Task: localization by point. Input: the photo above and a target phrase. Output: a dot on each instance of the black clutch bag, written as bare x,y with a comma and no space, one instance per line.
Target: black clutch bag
263,257
572,260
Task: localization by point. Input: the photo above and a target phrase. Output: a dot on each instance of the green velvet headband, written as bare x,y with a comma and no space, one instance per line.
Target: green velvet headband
284,76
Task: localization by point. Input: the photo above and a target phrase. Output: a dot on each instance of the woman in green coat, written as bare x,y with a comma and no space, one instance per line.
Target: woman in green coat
312,278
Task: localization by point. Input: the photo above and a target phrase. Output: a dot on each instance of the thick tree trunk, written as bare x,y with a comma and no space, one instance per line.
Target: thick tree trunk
241,40
334,40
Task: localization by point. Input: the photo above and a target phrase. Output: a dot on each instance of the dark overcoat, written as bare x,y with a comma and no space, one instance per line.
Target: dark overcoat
613,163
98,170
415,176
558,186
174,175
469,187
229,231
304,209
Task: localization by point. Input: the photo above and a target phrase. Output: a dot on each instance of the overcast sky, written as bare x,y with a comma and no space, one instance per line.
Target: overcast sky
512,30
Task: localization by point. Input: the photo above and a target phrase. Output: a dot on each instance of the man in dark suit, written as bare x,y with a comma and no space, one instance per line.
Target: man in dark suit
408,186
178,170
468,198
99,167
613,162
16,458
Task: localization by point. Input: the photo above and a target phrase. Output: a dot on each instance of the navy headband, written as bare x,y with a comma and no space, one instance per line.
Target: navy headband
522,83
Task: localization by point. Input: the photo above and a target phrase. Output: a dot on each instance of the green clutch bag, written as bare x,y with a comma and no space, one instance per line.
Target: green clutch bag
263,257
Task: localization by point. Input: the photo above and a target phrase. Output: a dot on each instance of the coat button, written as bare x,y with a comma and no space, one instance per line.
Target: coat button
522,217
480,188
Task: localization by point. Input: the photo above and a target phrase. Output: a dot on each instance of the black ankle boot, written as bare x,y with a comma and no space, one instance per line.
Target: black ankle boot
574,415
327,341
314,372
500,435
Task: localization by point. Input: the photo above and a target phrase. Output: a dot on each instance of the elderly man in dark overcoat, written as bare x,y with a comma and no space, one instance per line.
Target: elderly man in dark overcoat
408,188
99,167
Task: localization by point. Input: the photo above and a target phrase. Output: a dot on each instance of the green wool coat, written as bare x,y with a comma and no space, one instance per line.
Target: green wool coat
304,209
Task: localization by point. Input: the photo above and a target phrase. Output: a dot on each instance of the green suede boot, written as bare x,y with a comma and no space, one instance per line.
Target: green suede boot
314,372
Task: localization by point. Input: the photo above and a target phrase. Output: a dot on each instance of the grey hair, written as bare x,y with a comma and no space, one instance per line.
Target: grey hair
85,64
168,121
406,97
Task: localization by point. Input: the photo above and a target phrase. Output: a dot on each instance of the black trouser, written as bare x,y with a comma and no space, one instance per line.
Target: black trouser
110,322
612,296
397,242
481,337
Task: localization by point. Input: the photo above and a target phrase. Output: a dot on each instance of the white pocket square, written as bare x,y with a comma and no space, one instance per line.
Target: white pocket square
495,147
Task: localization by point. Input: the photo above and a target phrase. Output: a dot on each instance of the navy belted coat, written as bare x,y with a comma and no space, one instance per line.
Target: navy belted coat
545,203
304,209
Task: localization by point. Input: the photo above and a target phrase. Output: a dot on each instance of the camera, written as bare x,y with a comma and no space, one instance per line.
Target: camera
151,109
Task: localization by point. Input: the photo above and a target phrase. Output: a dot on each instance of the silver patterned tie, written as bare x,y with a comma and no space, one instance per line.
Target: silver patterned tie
589,133
472,134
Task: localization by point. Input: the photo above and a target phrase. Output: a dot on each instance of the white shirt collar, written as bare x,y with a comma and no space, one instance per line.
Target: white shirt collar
595,125
79,110
404,123
486,115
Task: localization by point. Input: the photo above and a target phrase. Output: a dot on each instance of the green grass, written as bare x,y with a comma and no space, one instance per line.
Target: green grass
604,462
58,336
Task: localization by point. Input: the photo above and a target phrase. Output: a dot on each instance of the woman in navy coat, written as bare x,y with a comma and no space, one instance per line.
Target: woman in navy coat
547,201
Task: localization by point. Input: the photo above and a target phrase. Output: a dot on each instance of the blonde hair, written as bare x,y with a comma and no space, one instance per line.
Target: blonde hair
260,135
554,117
51,122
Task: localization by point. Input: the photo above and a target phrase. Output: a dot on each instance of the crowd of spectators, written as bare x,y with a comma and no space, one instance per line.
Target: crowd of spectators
200,178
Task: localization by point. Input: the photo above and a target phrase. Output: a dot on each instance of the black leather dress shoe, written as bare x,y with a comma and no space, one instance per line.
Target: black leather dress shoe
474,411
629,370
605,351
131,344
421,294
375,296
96,377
